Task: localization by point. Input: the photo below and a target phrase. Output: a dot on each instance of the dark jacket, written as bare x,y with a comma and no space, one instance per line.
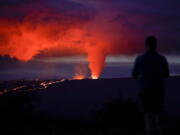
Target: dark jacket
151,68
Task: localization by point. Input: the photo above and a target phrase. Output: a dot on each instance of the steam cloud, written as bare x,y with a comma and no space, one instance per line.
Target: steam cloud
31,28
69,34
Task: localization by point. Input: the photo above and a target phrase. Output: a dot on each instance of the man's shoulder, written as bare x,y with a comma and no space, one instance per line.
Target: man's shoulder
139,59
141,56
147,55
161,56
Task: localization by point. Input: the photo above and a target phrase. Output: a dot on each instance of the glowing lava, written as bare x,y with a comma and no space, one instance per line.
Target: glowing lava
94,77
78,77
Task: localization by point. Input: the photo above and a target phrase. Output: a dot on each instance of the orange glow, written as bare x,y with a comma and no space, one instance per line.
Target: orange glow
37,35
80,72
94,77
78,77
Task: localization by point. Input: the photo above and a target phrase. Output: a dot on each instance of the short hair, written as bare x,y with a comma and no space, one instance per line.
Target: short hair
151,42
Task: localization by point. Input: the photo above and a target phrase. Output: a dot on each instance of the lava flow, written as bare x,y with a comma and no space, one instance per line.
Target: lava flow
78,77
32,86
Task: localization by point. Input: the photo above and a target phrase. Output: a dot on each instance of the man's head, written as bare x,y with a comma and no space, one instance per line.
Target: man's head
151,43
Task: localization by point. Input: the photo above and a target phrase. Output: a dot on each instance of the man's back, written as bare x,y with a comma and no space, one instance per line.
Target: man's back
151,68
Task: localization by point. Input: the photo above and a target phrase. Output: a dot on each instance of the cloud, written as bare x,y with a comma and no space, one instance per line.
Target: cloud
96,28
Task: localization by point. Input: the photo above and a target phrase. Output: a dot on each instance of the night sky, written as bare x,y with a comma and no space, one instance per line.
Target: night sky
66,35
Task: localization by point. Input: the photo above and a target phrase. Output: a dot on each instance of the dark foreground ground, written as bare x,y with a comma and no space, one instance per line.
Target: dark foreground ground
109,116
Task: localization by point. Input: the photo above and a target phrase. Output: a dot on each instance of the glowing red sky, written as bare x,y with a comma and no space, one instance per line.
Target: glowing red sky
39,28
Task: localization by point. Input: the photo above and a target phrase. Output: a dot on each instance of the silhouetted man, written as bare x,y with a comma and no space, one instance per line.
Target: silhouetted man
151,69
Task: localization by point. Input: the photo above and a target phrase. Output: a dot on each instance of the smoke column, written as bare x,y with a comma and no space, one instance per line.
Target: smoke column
47,31
96,59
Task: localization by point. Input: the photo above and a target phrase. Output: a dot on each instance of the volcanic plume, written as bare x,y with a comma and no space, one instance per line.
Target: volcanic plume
68,33
95,28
